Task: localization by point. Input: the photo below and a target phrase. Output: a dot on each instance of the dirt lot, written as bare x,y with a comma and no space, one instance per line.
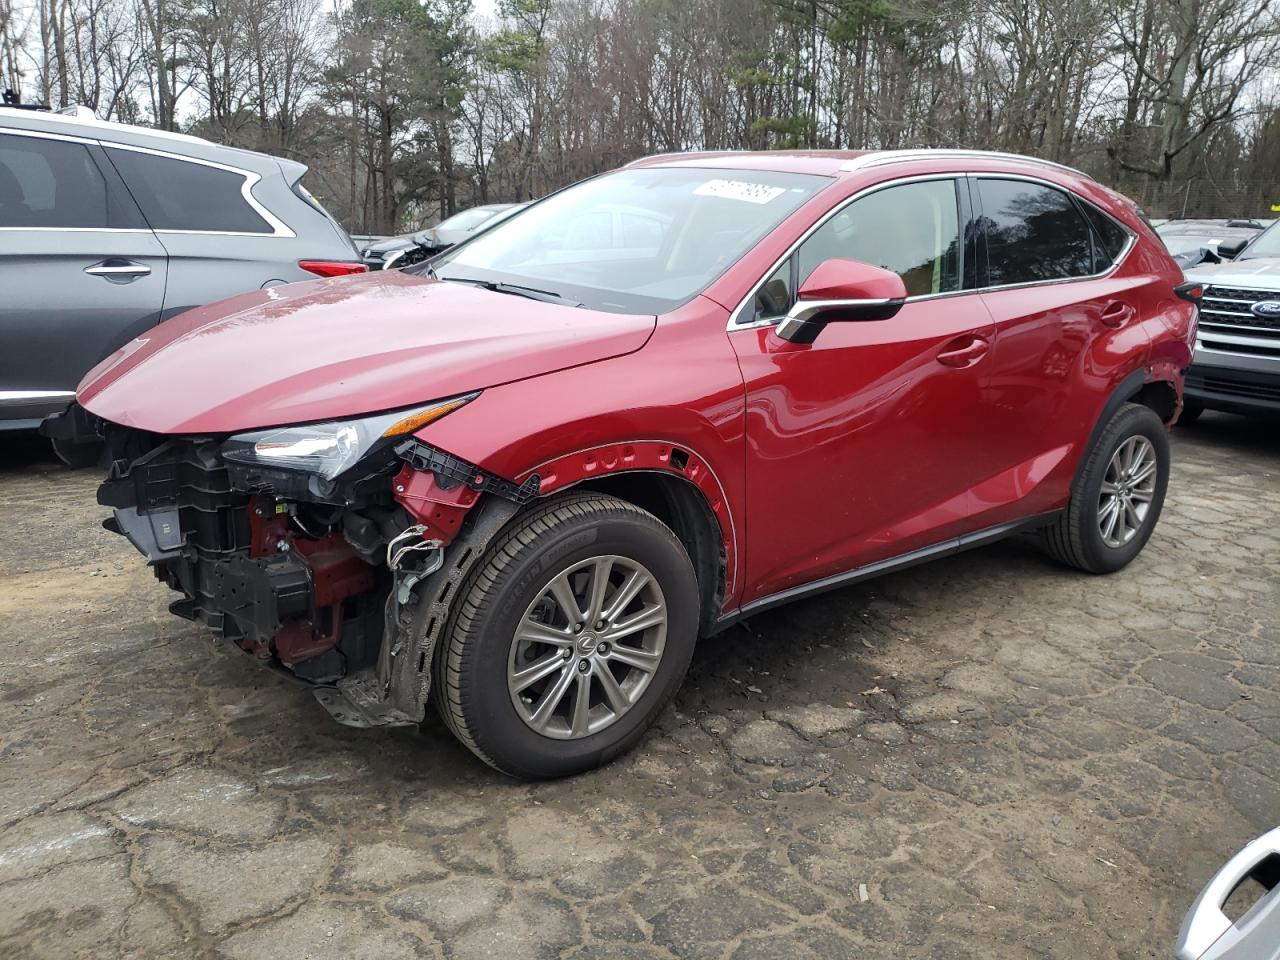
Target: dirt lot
988,757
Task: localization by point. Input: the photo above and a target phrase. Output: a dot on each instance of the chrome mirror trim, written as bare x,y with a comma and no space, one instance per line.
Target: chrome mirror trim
803,321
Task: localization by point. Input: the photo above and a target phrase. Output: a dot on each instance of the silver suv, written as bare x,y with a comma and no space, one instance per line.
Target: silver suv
1237,362
108,229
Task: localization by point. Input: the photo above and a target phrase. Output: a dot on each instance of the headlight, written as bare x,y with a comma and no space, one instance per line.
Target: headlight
329,449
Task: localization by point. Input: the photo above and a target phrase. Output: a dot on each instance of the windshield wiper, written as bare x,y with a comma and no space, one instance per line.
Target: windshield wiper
532,293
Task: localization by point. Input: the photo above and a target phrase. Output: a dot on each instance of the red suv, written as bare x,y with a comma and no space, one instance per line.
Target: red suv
521,480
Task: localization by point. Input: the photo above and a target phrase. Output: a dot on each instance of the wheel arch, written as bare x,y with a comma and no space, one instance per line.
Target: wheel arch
1141,386
1161,396
677,486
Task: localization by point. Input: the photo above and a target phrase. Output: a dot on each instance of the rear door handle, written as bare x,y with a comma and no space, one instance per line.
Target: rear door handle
964,351
1117,314
118,269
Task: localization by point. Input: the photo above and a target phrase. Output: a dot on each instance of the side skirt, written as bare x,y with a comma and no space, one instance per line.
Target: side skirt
834,582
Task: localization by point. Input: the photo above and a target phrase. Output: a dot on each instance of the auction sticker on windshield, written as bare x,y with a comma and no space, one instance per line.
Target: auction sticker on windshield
739,190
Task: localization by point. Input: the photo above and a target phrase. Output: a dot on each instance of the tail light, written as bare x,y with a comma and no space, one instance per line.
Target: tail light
333,268
1190,291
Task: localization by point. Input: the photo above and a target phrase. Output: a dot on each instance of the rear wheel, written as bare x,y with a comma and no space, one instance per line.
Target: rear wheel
571,637
1117,498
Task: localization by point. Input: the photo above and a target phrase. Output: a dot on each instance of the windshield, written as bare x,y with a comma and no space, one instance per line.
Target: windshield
467,219
635,241
1267,244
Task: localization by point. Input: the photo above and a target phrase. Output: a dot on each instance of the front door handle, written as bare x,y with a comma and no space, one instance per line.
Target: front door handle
1117,314
964,351
118,270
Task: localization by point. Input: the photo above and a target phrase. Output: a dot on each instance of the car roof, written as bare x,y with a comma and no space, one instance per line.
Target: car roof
832,163
167,141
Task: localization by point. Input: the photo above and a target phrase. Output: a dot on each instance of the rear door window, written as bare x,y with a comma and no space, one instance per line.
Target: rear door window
182,195
51,184
1034,233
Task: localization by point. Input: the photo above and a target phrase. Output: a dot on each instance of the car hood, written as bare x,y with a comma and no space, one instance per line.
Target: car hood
329,349
1262,273
391,243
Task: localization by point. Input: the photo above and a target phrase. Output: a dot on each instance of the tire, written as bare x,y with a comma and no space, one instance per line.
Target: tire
482,661
76,455
1078,537
1191,411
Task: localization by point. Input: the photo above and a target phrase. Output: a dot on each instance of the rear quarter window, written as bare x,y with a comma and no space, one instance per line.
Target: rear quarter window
1110,238
181,195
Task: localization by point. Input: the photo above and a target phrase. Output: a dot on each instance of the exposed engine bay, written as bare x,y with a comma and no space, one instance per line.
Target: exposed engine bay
343,583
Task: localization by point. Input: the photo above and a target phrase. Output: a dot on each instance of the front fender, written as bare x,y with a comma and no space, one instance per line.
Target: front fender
676,406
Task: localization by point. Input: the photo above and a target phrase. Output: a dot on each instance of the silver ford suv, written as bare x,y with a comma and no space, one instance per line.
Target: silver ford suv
1237,361
108,229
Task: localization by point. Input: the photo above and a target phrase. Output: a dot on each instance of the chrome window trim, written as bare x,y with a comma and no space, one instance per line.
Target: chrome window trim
77,230
107,127
818,224
278,227
1116,264
41,135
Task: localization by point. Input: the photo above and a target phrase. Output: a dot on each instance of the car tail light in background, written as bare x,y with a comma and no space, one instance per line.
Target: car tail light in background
1190,291
332,268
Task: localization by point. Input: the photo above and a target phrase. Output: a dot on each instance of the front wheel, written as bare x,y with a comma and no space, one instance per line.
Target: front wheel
574,633
1117,497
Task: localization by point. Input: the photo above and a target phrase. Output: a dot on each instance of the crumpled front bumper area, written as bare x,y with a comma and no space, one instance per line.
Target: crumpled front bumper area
347,584
309,603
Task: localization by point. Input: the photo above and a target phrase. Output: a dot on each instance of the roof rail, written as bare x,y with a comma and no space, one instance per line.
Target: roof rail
83,117
880,157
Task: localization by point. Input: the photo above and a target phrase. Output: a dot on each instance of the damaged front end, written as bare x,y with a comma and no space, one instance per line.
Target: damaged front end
329,551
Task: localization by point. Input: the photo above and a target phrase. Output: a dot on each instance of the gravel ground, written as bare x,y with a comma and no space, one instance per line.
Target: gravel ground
987,757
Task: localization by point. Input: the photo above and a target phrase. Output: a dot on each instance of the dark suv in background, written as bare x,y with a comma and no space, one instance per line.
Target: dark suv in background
108,229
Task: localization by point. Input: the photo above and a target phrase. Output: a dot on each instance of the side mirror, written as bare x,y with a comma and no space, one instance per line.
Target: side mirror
838,291
1230,249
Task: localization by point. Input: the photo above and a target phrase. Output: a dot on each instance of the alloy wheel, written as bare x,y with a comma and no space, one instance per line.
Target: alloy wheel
587,647
1127,491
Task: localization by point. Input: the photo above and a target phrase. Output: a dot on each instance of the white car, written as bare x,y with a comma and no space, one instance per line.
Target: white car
1237,360
1208,934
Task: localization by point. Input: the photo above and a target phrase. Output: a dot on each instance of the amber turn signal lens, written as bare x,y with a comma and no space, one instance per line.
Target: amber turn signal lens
420,418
